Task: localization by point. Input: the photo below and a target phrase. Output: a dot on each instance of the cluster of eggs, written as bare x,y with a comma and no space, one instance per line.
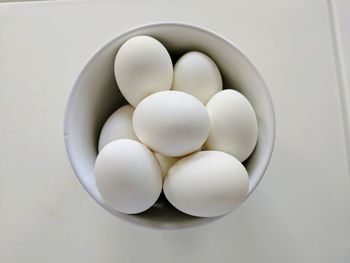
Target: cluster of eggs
180,133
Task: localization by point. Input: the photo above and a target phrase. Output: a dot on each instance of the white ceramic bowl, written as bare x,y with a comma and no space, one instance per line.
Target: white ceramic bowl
95,96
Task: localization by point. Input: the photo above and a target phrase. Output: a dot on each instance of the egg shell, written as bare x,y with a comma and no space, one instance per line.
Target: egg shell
233,124
197,74
117,126
171,123
206,184
142,67
166,162
128,176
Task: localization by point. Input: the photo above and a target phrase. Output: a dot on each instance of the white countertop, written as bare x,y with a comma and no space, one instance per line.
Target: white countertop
299,213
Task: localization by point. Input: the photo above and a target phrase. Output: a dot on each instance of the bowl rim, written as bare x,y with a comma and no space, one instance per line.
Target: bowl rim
70,97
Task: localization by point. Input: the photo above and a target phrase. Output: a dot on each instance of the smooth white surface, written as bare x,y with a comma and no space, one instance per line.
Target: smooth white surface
206,184
339,13
233,124
197,74
128,176
172,123
118,126
142,67
94,97
299,213
165,162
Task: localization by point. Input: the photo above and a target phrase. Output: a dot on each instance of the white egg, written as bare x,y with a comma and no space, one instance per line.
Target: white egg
142,66
206,184
165,162
117,126
197,74
172,123
128,176
234,127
